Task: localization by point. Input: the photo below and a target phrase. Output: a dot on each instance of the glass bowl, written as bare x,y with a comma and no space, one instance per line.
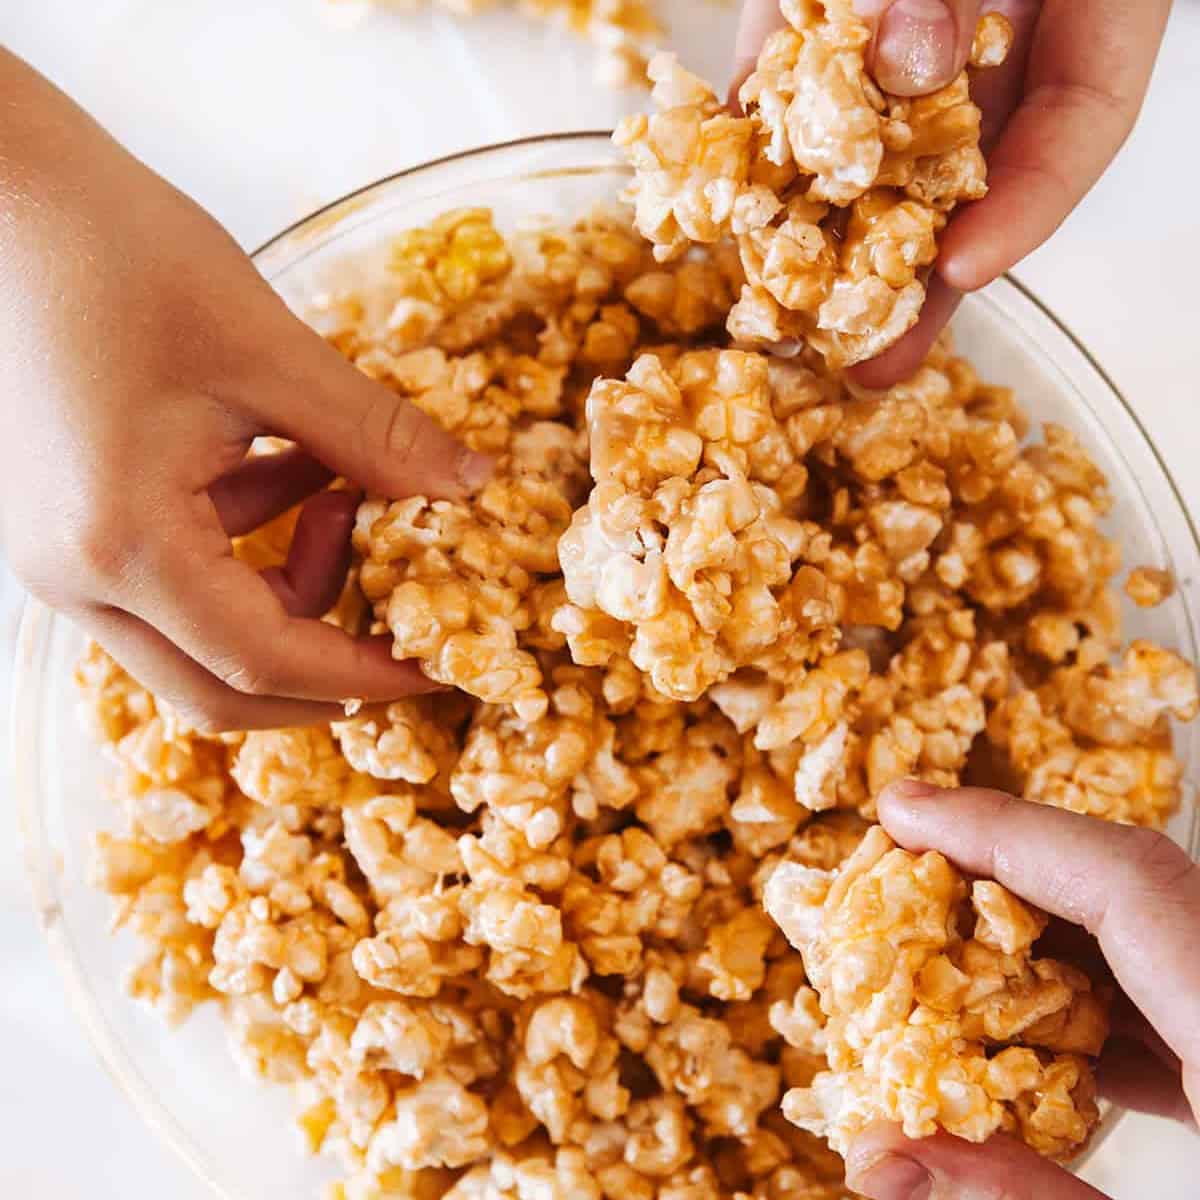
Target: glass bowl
238,1135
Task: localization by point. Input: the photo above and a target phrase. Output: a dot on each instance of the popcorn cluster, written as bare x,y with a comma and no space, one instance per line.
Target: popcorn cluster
833,190
624,32
508,942
933,1012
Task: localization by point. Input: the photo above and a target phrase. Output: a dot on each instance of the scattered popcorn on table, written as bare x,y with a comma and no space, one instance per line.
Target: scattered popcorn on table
834,191
1148,587
508,942
924,1025
624,32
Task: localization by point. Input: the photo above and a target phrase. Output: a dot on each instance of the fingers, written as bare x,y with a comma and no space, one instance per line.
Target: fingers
201,700
759,19
901,361
918,45
1127,1022
1087,74
997,90
885,1165
311,580
360,428
1134,889
235,624
1134,1077
257,633
265,486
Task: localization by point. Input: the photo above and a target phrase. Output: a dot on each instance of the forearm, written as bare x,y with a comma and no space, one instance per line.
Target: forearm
73,198
56,163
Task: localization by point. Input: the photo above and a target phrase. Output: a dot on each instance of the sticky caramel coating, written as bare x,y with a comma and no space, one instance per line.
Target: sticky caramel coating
534,904
834,191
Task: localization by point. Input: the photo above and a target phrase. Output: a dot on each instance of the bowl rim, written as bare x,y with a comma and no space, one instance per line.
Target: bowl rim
37,623
595,136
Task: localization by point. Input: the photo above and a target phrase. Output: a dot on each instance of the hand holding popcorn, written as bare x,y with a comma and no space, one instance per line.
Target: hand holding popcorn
834,190
1138,895
140,355
938,1014
1055,112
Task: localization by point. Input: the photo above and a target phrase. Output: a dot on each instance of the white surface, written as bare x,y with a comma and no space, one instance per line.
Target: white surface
263,108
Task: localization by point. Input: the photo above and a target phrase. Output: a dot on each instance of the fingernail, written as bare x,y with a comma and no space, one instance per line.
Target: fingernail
912,789
915,47
474,470
894,1178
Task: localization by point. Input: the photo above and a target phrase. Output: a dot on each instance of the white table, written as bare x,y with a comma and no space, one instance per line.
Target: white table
263,108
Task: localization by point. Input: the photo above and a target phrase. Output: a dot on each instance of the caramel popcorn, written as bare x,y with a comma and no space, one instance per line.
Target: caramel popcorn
1096,739
927,1026
1148,587
684,537
624,32
834,191
507,942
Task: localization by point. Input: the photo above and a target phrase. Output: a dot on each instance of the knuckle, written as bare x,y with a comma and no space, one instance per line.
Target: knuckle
212,712
42,578
402,433
103,544
207,719
249,680
1156,863
251,675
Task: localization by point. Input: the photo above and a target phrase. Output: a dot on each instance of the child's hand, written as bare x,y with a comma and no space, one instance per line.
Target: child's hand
1055,115
140,352
1138,895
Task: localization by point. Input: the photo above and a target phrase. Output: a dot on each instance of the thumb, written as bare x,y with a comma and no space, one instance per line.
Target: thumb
359,427
885,1165
918,45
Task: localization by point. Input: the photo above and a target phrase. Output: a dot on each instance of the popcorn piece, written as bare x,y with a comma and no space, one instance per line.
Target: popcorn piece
1096,740
398,852
729,1092
418,949
530,774
1148,587
453,257
993,40
625,889
437,1123
528,954
112,703
818,130
404,741
290,766
397,1036
929,1027
692,163
567,1073
453,581
623,31
682,539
